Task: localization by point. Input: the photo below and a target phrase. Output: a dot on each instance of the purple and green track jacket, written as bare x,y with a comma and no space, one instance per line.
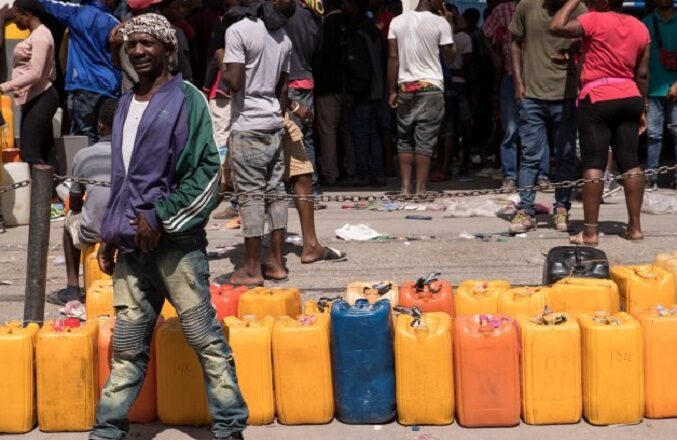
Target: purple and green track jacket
174,171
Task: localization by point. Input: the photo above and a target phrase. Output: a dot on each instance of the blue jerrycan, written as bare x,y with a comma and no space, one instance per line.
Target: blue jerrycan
363,362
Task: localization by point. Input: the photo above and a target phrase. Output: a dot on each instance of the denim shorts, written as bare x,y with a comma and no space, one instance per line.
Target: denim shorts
419,116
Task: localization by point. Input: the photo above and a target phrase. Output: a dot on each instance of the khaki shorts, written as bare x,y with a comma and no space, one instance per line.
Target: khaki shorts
296,162
72,225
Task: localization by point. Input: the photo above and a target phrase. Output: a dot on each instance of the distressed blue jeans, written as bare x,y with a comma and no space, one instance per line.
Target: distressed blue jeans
661,113
536,117
179,268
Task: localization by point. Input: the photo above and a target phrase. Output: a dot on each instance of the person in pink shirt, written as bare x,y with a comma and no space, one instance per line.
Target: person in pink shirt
611,103
33,73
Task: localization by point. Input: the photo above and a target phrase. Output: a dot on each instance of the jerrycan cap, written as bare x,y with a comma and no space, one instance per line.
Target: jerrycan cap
379,288
426,282
480,287
604,317
326,301
548,317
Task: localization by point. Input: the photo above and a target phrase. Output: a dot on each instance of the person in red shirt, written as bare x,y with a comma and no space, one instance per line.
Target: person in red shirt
612,103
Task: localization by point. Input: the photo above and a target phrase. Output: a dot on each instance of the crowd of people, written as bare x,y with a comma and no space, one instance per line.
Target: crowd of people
280,97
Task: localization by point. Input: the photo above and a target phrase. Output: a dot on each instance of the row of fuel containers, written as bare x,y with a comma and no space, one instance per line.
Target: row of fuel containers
365,365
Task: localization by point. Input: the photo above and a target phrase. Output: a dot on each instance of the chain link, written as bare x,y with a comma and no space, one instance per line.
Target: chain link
389,196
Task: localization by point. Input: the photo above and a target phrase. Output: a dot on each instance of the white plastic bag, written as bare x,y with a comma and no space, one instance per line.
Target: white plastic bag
360,232
659,204
472,208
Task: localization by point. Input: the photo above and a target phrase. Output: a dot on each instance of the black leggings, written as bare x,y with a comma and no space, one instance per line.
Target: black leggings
613,123
37,134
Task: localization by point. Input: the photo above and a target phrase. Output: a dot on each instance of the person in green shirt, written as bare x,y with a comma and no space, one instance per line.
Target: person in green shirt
662,84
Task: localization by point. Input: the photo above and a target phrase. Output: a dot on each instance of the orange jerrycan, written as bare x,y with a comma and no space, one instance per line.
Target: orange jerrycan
273,302
478,296
251,341
577,296
90,264
613,372
302,367
181,394
17,377
225,299
659,334
643,286
429,294
423,368
486,371
100,299
7,130
168,310
144,409
66,362
322,305
373,291
526,301
551,369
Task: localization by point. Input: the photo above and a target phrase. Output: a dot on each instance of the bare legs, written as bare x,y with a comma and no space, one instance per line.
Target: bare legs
407,161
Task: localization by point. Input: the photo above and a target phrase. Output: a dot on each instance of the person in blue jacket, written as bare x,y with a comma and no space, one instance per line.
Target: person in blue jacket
165,174
90,75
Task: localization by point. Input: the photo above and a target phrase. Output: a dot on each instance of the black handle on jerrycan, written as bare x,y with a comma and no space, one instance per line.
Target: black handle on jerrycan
415,312
427,280
381,288
325,301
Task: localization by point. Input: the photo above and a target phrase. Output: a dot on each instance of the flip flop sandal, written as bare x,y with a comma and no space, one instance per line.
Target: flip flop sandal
580,241
63,296
331,255
234,223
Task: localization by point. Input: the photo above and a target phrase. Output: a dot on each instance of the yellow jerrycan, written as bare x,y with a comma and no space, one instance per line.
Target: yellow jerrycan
67,375
659,334
251,341
181,394
322,305
551,369
274,302
477,297
100,299
527,301
90,265
373,291
613,368
577,296
643,286
17,377
304,392
424,369
668,262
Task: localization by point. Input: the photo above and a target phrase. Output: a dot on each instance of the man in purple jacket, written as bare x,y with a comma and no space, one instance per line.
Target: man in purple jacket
165,179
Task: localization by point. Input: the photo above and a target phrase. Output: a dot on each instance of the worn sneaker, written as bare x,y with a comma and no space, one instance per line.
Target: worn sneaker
508,184
521,223
561,220
611,187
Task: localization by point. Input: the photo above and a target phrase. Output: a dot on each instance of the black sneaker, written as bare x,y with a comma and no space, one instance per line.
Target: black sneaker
233,436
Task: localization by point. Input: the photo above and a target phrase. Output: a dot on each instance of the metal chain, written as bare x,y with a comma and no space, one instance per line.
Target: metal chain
431,196
22,184
389,196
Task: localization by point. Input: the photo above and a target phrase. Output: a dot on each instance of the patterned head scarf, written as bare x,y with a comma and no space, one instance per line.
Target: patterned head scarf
154,25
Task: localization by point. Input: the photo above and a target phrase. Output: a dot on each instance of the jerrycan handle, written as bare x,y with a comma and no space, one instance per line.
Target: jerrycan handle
324,302
427,280
548,317
647,273
603,317
380,288
414,312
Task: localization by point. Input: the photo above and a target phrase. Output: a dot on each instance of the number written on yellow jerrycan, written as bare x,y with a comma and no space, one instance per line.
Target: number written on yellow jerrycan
424,369
303,384
478,297
67,378
613,368
100,299
181,395
643,286
523,301
577,296
551,369
274,302
659,333
251,341
17,377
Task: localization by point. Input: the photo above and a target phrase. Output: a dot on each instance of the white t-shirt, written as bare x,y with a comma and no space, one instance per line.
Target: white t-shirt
419,36
463,44
265,55
130,129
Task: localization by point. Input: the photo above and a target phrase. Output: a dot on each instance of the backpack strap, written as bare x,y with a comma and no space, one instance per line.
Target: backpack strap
656,31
